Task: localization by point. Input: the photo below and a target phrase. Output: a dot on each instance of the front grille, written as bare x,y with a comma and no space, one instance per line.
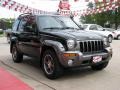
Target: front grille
91,46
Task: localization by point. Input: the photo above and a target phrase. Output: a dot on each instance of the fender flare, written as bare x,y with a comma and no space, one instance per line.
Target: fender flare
57,46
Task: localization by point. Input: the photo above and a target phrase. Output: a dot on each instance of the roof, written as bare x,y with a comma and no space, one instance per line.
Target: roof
26,14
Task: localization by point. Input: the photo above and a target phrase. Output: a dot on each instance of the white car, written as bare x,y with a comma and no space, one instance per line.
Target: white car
99,29
117,34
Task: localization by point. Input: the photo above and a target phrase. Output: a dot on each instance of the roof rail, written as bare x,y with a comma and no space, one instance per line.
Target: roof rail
25,14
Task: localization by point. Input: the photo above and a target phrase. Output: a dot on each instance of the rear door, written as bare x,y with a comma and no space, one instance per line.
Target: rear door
23,38
33,37
29,38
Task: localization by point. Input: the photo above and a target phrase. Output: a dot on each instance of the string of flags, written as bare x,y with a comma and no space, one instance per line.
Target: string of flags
12,5
108,6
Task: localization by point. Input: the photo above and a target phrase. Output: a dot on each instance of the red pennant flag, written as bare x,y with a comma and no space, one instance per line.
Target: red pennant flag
76,0
96,1
111,0
104,1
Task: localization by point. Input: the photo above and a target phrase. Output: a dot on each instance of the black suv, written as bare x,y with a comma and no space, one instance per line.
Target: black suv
58,43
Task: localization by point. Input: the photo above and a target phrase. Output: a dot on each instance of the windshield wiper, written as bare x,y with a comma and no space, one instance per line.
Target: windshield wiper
71,28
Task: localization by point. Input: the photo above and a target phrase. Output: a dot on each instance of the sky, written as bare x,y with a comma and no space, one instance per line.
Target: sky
46,5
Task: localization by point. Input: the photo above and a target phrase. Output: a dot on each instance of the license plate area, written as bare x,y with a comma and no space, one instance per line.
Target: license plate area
97,59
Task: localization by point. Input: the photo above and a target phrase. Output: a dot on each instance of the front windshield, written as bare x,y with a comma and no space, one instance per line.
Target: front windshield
85,26
56,22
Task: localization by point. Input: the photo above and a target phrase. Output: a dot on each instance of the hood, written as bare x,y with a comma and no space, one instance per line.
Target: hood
77,34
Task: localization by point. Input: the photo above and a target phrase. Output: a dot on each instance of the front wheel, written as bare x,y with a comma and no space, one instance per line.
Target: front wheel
99,66
50,65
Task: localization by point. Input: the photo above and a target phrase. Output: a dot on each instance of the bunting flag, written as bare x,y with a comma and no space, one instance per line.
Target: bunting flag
76,0
9,4
109,6
12,5
96,1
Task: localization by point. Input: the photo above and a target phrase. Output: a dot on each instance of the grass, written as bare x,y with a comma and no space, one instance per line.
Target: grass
1,35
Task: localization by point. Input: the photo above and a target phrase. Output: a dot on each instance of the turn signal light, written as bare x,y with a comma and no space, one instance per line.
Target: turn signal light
70,54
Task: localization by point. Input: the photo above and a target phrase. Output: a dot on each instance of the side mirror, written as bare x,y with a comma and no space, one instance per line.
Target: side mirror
28,29
103,29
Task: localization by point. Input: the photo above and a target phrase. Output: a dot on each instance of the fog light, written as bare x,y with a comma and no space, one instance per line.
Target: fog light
70,62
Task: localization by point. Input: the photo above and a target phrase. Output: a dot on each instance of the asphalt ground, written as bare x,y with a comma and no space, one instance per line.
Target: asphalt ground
30,72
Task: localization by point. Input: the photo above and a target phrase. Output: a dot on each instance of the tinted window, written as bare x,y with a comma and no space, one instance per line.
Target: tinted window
57,23
48,22
67,22
27,24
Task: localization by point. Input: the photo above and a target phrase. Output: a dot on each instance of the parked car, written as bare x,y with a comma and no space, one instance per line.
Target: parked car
1,31
117,34
99,29
109,29
58,43
8,34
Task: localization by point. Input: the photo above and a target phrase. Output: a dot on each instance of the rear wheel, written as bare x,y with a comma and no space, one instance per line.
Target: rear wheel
16,56
99,66
50,65
118,37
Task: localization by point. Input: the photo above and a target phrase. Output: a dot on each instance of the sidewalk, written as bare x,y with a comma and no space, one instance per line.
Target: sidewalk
10,82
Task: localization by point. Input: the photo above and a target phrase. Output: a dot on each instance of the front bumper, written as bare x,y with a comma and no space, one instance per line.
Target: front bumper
77,58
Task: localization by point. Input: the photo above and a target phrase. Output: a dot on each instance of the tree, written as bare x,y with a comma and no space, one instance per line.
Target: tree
6,23
90,5
111,16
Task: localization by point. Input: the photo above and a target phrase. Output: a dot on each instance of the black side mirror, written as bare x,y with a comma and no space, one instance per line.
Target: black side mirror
103,29
28,29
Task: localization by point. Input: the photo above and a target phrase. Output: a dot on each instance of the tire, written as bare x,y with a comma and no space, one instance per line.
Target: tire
110,38
16,56
50,65
100,66
118,37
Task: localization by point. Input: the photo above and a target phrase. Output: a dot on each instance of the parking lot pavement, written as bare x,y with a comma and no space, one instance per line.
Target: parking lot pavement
77,79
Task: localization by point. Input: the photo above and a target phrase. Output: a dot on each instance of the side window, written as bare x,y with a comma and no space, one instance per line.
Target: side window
21,25
27,24
30,25
100,28
15,25
93,27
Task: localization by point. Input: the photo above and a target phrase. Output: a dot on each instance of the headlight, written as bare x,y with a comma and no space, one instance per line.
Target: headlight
70,44
106,43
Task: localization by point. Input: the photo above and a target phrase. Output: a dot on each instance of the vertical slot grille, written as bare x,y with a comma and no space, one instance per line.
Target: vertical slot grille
91,46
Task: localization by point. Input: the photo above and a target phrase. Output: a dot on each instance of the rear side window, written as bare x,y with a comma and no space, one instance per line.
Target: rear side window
21,25
85,26
93,27
15,25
